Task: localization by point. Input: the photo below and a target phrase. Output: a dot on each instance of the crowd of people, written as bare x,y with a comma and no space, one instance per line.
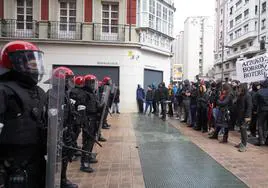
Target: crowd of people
27,119
213,107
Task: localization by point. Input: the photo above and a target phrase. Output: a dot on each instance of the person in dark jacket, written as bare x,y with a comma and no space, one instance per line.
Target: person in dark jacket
163,96
186,101
149,100
140,98
202,104
244,101
171,100
116,100
253,123
222,113
262,103
193,106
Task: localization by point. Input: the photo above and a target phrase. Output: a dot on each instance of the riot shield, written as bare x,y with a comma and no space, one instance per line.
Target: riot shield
55,112
104,100
114,91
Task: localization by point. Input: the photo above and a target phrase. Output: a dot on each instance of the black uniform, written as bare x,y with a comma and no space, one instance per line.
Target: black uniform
262,103
78,95
23,137
90,129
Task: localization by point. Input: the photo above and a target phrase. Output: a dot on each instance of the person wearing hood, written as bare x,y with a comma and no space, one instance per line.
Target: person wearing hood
253,124
202,106
244,101
186,101
140,95
262,103
163,96
221,114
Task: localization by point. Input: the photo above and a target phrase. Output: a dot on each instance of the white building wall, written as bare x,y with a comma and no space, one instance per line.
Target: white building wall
208,45
197,47
180,47
131,71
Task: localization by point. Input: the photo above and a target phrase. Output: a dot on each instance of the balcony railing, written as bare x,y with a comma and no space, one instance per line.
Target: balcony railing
65,30
108,32
19,29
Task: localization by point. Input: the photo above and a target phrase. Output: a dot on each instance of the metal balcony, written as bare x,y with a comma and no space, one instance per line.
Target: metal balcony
19,28
245,37
65,30
108,32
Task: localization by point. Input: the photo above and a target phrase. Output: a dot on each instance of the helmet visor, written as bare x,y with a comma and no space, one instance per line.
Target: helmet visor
30,62
92,84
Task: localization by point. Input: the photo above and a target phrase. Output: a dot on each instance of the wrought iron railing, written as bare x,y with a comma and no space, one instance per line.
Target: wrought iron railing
108,32
19,28
65,30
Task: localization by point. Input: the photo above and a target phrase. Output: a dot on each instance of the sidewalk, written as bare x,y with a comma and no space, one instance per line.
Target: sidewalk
251,167
119,163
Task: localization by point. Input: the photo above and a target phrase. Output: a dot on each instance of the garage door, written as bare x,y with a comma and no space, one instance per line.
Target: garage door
99,71
152,76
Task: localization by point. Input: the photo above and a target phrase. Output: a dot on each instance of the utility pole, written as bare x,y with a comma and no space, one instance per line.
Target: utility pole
222,43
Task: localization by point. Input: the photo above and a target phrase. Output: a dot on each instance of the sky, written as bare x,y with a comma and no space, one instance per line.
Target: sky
187,8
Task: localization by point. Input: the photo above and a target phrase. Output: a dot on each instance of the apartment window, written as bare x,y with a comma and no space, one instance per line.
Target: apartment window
238,18
110,16
256,25
246,13
246,28
170,25
238,3
152,14
246,1
238,33
25,14
263,7
158,17
263,38
165,20
221,11
227,65
220,36
231,36
256,10
235,49
243,47
68,16
263,24
231,24
250,43
221,22
233,64
220,66
231,10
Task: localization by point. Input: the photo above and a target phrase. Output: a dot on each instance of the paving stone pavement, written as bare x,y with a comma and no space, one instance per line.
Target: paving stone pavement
119,163
251,167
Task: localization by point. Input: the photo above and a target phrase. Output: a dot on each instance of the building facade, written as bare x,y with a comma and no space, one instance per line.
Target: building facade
128,40
245,25
177,59
198,47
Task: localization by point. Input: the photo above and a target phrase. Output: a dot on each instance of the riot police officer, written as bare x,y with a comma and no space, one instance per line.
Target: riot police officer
22,109
89,130
68,134
78,96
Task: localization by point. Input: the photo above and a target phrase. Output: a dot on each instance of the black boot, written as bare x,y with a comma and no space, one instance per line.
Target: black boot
102,139
224,139
68,184
214,135
86,168
93,159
